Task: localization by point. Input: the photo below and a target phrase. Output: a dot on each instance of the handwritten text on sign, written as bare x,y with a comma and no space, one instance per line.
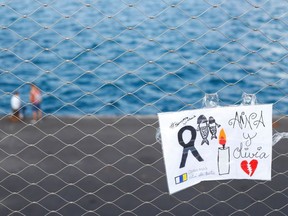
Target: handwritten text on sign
216,143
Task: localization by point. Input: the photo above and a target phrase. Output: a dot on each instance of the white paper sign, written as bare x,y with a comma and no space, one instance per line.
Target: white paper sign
216,143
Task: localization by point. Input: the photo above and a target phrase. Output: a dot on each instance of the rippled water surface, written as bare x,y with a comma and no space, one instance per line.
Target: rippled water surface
142,57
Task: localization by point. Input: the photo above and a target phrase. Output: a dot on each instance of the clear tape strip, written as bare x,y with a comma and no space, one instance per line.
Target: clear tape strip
278,136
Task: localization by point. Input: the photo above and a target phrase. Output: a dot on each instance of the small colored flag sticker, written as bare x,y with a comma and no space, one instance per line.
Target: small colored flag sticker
181,178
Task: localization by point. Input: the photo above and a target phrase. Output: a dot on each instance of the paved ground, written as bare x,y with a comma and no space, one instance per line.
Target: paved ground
114,166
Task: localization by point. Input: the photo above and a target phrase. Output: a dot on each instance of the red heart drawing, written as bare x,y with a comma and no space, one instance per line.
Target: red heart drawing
250,167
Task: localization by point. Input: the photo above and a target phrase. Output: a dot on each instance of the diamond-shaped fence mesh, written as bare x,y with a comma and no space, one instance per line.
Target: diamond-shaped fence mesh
105,68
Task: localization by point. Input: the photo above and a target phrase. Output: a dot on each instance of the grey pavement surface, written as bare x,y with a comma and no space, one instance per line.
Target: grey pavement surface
114,166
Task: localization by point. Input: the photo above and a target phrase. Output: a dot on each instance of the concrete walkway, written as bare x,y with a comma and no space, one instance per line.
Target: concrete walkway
114,166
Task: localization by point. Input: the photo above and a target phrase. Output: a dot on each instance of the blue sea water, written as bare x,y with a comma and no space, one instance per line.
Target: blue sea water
110,57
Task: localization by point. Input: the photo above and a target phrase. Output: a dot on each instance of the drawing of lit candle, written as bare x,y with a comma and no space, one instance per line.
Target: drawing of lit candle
223,155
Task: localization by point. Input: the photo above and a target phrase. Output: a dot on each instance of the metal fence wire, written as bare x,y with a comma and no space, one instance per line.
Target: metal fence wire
105,68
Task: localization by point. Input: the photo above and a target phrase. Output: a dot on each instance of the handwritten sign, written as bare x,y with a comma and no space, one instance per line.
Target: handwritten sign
216,144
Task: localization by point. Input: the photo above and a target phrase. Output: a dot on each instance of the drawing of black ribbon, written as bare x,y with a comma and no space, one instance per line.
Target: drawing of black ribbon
188,146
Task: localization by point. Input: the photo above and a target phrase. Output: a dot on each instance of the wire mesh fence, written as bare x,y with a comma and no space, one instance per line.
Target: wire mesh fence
105,68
